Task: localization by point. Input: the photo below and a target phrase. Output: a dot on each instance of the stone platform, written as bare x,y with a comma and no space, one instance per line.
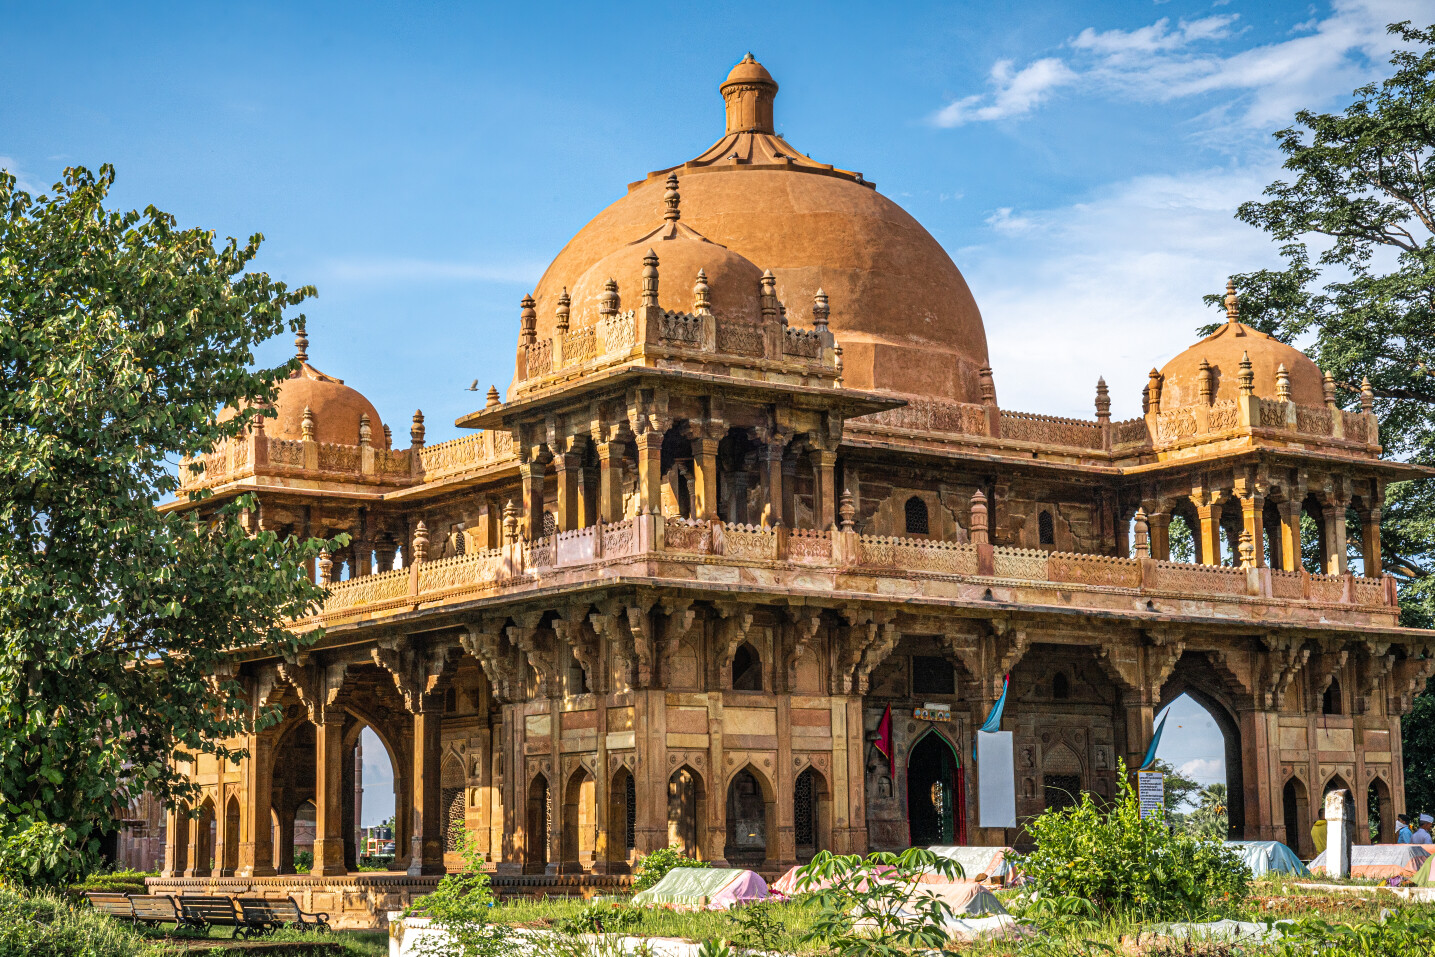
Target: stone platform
362,901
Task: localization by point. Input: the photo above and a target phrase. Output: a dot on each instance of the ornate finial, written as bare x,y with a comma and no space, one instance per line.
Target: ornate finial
820,311
608,302
1232,301
1283,383
366,431
846,510
388,437
988,385
527,321
650,278
416,431
768,295
702,305
492,399
837,360
1143,534
671,199
1203,382
301,342
1246,547
421,542
1328,385
510,521
748,93
325,569
980,523
1247,377
1103,401
561,313
1367,396
307,424
1153,391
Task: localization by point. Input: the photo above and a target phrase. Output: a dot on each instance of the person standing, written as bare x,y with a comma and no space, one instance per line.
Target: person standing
1422,834
1402,829
1317,832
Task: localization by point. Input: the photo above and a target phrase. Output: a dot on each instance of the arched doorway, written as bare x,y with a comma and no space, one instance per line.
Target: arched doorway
1194,678
751,836
580,822
535,836
1380,812
452,800
936,804
204,827
687,809
811,814
622,817
229,857
1296,807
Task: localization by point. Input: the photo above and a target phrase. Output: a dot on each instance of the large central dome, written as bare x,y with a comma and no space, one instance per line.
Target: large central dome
901,310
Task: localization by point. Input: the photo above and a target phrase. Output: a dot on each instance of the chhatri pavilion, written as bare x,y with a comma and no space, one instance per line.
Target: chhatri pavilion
750,487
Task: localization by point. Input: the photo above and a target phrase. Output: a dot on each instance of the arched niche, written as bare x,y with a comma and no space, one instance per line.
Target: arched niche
687,811
536,823
751,819
811,813
622,817
580,821
936,795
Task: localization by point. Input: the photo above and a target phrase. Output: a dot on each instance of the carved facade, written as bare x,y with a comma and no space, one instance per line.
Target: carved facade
667,591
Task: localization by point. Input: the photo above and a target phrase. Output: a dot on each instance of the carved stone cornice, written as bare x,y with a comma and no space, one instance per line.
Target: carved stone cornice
1284,660
484,640
417,670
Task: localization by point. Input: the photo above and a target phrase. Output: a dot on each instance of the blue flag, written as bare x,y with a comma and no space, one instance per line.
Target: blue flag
994,720
1155,742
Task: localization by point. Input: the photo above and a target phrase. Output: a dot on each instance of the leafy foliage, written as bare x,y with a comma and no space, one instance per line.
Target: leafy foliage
1126,865
654,866
1397,934
868,906
760,925
32,925
1417,739
601,917
462,907
122,337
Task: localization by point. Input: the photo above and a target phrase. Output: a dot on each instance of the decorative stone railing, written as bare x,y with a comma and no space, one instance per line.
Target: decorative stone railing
1050,430
518,565
257,454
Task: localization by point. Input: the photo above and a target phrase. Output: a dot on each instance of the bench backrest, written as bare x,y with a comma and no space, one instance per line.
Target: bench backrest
153,907
108,902
212,910
267,911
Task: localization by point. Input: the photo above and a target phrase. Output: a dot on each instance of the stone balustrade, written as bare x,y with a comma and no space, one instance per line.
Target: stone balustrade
864,561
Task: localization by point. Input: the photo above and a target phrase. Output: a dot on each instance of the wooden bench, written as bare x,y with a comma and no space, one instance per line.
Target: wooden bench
152,909
115,905
281,913
206,912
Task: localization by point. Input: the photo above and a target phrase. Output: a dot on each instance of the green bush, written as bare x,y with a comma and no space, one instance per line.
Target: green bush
462,906
36,854
601,917
120,881
42,925
1128,866
303,862
655,866
867,905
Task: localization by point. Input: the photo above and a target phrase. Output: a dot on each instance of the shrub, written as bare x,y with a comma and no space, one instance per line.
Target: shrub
601,917
41,925
462,907
38,855
1125,865
868,908
655,866
303,862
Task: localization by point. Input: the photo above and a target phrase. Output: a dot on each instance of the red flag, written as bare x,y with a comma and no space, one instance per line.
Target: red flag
884,740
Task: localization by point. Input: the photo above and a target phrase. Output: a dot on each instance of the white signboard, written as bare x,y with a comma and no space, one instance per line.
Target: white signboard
1151,788
996,774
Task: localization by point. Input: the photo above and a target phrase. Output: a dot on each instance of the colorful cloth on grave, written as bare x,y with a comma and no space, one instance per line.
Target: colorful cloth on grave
995,862
1268,857
704,888
1379,861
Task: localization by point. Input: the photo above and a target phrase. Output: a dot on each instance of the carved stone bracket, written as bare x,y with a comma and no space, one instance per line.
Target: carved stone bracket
1409,678
484,640
640,624
526,635
572,629
417,671
317,685
1286,658
1375,663
804,620
1322,669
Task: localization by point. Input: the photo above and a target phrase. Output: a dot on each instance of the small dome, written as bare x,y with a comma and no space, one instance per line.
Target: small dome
748,70
732,280
1222,350
336,407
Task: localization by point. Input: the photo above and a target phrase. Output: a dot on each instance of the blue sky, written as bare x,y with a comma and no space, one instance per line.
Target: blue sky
421,164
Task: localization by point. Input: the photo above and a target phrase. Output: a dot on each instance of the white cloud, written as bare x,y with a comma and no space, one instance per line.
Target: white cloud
381,271
1205,770
1159,63
1016,92
12,166
1110,286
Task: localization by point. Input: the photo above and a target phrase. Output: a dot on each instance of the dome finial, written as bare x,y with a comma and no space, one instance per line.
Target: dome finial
301,342
1232,301
671,199
748,92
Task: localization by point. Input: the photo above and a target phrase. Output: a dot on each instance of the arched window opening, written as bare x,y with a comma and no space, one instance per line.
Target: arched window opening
230,857
936,805
1330,702
1060,686
1380,813
687,806
535,841
804,812
748,824
746,669
630,799
451,799
1045,528
1296,806
580,821
577,676
917,519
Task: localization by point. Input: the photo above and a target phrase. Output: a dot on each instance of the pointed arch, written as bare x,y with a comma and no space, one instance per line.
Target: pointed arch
1295,802
936,791
1379,811
746,668
202,864
535,832
687,810
751,807
1197,676
811,813
229,856
622,825
453,793
918,521
580,821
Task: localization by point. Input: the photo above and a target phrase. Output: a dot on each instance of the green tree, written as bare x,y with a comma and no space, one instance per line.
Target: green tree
1178,787
1209,821
1361,194
122,337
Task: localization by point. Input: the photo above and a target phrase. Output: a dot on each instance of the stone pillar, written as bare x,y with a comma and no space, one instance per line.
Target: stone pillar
1290,535
328,796
1159,524
285,864
176,842
773,479
737,507
824,493
650,472
1208,544
531,477
1370,542
349,805
705,478
256,844
363,551
610,481
1339,822
588,497
1253,519
568,470
1333,515
384,549
789,491
426,845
